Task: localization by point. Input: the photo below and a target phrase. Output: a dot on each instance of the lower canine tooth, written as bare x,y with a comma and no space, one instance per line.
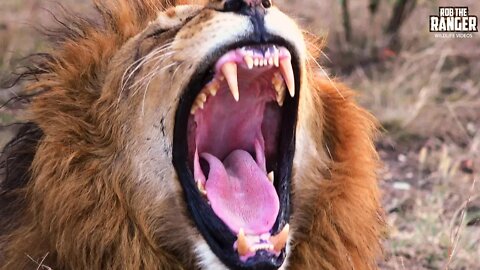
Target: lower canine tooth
280,240
230,72
243,248
271,176
201,188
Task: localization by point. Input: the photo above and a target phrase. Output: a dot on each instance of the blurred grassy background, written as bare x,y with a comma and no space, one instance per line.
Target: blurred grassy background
424,90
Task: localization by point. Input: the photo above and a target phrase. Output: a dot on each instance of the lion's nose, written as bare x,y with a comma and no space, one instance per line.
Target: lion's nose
247,7
255,9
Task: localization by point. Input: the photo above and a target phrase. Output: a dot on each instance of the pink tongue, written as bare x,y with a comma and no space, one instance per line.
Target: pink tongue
240,193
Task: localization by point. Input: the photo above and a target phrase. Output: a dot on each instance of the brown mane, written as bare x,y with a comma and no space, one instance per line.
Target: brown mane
82,183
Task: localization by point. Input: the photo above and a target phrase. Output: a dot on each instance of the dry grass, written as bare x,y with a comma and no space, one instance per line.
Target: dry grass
427,96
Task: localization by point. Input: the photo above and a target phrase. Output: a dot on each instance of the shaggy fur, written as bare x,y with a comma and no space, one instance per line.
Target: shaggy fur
84,187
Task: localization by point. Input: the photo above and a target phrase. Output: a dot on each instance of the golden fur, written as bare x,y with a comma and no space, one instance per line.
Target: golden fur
94,199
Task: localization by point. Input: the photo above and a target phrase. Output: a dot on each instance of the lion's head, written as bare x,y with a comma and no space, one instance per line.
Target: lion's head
189,136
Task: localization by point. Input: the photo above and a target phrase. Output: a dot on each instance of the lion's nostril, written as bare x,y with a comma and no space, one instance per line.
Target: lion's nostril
233,5
266,3
239,5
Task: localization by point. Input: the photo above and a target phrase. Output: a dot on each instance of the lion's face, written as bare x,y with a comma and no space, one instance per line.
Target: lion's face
201,136
216,90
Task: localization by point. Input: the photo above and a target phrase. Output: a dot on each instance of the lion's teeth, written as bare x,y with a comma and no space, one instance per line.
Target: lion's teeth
199,104
243,248
230,71
271,176
194,109
262,246
201,188
287,72
249,61
276,59
202,97
213,87
280,88
280,240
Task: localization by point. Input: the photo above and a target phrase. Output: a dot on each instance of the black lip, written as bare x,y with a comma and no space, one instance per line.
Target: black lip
215,231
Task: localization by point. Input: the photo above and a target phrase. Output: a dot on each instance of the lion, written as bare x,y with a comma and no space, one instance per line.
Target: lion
188,135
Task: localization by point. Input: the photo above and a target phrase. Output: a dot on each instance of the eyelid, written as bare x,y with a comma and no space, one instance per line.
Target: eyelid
156,33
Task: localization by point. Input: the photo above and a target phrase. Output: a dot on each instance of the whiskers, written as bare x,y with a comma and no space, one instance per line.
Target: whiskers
317,49
157,58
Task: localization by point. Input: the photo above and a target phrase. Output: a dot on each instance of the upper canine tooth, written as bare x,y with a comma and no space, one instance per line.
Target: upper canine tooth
280,240
230,71
287,72
249,61
243,248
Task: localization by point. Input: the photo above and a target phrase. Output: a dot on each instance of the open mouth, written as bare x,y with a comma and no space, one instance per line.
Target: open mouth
233,151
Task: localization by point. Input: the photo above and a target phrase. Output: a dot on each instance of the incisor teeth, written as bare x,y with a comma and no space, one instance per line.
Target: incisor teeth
256,62
270,61
280,240
249,61
262,246
287,72
230,72
276,59
242,243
